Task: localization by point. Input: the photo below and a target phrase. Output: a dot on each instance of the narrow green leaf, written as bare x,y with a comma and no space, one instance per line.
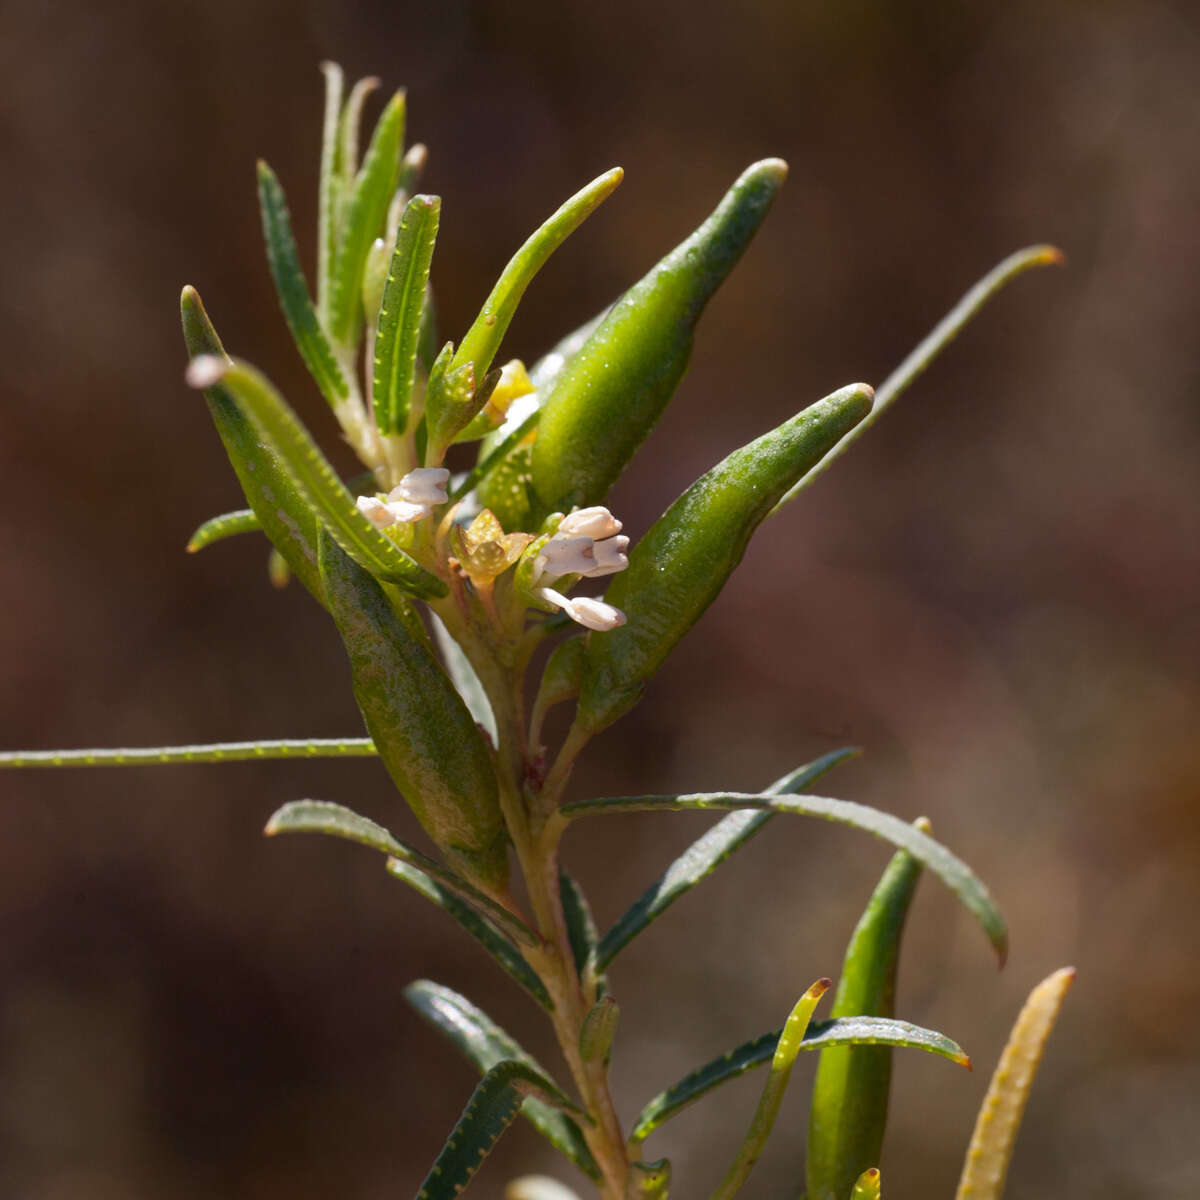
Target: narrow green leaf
485,335
334,820
314,478
581,926
217,529
1000,1114
950,869
365,211
867,1185
763,1121
497,945
400,313
145,756
284,513
349,126
703,857
486,1045
820,1035
327,190
946,330
847,1117
495,1102
426,736
245,520
298,311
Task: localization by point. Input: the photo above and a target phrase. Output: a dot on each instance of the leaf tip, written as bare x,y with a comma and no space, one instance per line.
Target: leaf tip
819,989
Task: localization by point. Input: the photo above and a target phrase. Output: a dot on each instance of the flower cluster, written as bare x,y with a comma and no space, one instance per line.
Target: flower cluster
414,498
588,542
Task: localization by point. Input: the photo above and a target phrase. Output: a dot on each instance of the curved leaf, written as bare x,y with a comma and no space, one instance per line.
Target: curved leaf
143,756
486,1044
315,479
400,313
320,816
499,947
227,525
948,867
495,1102
581,926
946,330
298,311
286,517
464,678
483,339
763,1121
820,1035
1000,1114
703,857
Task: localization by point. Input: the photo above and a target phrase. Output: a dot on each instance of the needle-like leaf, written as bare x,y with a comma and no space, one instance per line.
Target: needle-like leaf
703,857
145,756
946,330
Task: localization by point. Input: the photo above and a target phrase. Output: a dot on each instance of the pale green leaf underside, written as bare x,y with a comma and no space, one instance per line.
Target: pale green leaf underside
329,497
483,1041
703,857
948,867
499,947
495,1102
841,1031
334,820
213,752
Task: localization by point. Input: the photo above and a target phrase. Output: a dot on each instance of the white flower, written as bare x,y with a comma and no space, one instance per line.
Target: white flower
595,522
565,556
609,557
425,485
413,499
594,614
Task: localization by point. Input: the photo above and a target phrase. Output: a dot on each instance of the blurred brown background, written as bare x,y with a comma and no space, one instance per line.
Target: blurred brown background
996,594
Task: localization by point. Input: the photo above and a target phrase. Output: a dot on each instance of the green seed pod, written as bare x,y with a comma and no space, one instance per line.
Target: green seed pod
676,571
599,1029
609,397
426,737
850,1094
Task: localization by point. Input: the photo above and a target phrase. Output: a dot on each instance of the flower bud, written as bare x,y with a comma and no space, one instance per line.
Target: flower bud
595,522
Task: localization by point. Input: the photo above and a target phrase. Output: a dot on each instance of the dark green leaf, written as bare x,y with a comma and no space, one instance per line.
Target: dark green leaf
293,291
486,1045
495,1102
952,871
334,820
400,313
581,929
703,857
820,1035
499,947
